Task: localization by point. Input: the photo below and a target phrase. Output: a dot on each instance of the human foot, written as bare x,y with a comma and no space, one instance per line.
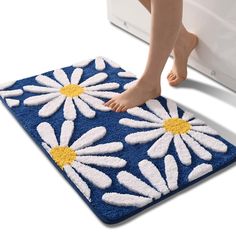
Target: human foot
183,48
136,95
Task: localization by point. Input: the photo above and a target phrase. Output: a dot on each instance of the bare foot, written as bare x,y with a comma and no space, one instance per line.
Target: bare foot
137,95
183,48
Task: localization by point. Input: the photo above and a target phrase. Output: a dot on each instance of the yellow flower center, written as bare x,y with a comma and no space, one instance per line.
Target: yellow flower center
63,156
72,90
177,126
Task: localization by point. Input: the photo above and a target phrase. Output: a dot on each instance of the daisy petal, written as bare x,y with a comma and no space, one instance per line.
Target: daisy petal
136,185
7,85
153,175
172,107
82,63
126,74
101,149
144,137
40,99
69,109
46,81
105,86
197,148
80,184
66,133
97,78
46,147
161,146
47,134
187,116
94,102
197,122
61,77
12,102
104,161
156,107
39,89
129,85
200,171
143,114
138,124
125,200
11,93
204,129
182,150
95,176
171,171
76,76
89,138
51,107
102,94
208,141
84,108
99,63
111,63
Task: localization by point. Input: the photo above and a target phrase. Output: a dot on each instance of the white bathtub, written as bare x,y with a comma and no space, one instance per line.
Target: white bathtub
214,21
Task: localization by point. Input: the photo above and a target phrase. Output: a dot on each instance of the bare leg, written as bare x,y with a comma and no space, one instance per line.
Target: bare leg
184,45
164,32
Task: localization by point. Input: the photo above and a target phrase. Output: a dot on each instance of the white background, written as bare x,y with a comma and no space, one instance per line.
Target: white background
37,36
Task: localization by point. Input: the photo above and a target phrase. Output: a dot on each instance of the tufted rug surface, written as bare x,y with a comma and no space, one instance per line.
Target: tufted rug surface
119,163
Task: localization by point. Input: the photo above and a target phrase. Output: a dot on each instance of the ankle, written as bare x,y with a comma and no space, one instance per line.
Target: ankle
148,82
153,88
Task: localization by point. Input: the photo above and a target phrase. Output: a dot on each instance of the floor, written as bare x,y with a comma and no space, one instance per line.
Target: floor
34,198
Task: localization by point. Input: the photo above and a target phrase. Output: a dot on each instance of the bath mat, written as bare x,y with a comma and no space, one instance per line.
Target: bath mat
119,163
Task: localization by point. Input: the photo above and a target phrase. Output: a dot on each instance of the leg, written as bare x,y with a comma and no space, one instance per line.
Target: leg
184,45
164,32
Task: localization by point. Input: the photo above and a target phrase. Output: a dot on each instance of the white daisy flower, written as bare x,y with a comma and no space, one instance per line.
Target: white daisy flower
75,159
100,63
165,126
147,193
71,93
6,93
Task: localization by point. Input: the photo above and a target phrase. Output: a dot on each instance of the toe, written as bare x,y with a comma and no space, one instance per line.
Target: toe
177,81
109,102
115,107
173,83
172,77
124,108
169,75
119,109
112,104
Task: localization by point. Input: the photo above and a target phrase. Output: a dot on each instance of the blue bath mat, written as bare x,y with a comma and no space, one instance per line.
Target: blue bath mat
119,163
